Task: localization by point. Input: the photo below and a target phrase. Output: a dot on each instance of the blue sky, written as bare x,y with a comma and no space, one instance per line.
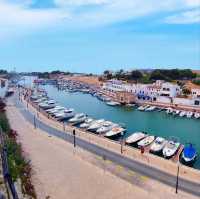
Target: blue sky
94,35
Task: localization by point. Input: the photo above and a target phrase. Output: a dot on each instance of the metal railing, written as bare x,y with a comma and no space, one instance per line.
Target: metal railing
6,173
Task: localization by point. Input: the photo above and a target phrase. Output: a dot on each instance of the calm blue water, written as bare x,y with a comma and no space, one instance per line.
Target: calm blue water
156,123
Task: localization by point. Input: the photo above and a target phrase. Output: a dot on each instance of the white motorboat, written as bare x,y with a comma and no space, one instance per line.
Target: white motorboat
169,110
40,100
141,108
70,110
189,114
158,145
62,115
107,126
87,123
135,137
112,103
176,112
197,115
78,118
55,110
96,125
151,108
46,105
116,131
170,148
182,113
146,141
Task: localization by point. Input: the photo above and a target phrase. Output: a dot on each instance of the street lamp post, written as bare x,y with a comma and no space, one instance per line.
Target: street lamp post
177,177
122,140
34,122
74,134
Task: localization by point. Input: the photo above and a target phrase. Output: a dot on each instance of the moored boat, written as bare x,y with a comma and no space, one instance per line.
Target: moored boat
95,125
197,115
113,103
135,137
189,155
146,141
170,148
158,145
116,131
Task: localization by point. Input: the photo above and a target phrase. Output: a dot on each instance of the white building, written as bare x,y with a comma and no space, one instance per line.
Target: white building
170,90
195,93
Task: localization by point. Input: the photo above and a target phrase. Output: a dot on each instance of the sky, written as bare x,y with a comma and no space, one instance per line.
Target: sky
94,35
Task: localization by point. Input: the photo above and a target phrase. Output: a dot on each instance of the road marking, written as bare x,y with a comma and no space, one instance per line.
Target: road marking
109,161
131,173
144,178
119,167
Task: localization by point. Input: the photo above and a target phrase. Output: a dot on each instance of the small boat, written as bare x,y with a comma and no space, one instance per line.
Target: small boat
182,113
158,145
64,116
135,137
96,125
189,114
169,110
170,148
87,123
146,141
78,118
197,115
151,108
189,154
130,105
176,112
46,105
107,126
116,131
112,103
141,108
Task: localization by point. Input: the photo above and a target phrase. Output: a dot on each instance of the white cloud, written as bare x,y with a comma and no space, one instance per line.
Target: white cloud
188,17
80,2
19,17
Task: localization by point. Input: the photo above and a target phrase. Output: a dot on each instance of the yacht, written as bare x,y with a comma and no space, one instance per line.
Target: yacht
116,131
78,118
158,145
182,114
189,154
96,125
197,115
112,103
170,148
87,123
107,126
189,114
146,141
135,137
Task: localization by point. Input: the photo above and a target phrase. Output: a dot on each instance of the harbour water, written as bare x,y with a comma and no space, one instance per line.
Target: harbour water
155,123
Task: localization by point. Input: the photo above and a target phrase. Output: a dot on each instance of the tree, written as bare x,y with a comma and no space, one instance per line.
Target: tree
186,91
136,75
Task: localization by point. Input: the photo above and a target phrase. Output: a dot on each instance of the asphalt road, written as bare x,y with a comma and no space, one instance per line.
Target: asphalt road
143,169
